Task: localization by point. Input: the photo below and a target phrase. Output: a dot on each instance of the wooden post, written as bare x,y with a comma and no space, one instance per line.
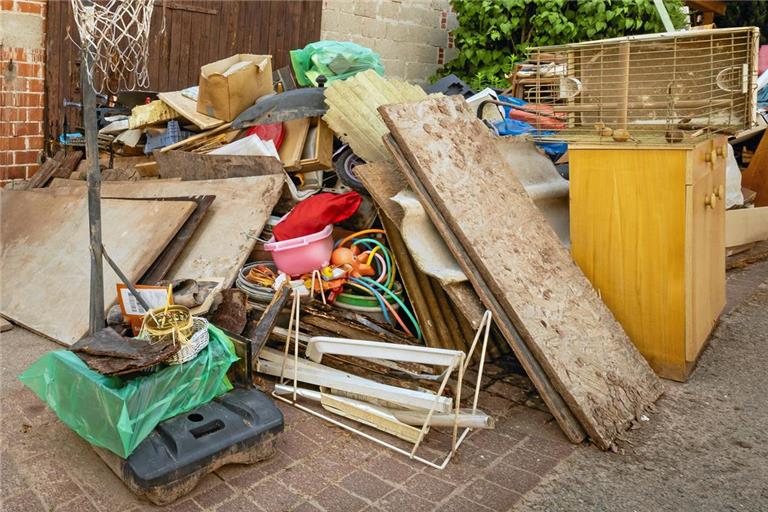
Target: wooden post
624,102
96,316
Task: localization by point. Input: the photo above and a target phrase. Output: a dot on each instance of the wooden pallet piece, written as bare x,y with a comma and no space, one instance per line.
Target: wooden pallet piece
569,424
585,352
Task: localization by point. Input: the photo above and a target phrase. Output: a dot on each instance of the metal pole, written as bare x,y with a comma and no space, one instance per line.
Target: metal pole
125,279
96,316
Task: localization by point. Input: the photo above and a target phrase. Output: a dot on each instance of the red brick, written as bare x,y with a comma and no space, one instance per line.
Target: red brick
32,169
32,128
35,114
14,144
17,172
29,99
34,85
30,69
7,5
29,7
35,142
25,157
6,158
10,114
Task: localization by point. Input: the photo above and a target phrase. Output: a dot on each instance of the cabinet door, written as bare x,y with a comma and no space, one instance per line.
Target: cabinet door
706,210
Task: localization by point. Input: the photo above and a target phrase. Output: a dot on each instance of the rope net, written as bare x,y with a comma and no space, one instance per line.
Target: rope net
114,37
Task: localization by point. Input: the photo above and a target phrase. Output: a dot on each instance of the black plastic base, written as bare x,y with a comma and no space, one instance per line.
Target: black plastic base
238,427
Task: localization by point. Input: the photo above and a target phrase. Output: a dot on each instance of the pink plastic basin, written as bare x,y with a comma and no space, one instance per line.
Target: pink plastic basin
304,254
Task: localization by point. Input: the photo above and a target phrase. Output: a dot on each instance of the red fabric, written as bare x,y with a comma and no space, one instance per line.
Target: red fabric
274,132
314,213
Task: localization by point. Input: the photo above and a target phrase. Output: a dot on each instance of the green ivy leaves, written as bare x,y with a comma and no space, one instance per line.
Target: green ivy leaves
493,34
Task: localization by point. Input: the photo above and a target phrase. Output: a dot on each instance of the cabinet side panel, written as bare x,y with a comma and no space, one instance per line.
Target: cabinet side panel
628,237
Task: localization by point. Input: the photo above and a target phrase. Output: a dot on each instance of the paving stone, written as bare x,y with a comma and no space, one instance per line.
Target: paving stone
303,479
331,469
337,499
25,502
512,478
428,487
554,448
214,496
458,503
366,485
273,496
79,504
60,490
508,391
401,501
490,495
320,431
479,459
530,461
494,405
245,479
184,505
296,445
494,441
12,482
239,504
307,507
390,469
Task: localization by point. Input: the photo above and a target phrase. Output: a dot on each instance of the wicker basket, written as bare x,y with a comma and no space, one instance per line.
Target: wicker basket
193,345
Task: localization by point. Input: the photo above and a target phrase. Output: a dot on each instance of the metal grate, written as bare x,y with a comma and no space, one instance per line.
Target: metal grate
660,88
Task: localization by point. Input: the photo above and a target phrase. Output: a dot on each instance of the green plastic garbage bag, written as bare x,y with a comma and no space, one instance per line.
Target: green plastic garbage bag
116,413
336,60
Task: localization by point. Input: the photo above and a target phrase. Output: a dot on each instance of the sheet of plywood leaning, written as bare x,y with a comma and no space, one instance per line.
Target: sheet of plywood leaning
584,351
45,261
227,233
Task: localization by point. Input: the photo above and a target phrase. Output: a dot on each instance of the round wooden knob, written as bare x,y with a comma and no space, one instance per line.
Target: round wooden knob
710,200
720,192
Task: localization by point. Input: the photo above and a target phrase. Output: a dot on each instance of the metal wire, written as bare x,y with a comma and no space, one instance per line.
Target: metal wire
688,84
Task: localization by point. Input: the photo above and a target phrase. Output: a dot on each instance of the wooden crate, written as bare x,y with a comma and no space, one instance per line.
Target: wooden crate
647,229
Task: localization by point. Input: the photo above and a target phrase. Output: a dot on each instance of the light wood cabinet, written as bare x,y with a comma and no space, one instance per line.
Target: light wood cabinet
647,229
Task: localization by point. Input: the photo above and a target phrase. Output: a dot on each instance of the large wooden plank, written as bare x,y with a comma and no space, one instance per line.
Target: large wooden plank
557,406
44,264
188,109
583,349
226,236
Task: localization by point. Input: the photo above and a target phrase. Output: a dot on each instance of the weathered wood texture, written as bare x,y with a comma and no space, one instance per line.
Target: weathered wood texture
188,109
756,176
568,422
44,264
197,33
583,349
223,241
195,166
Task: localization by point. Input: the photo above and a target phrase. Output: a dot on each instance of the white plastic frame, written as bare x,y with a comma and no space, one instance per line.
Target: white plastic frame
461,365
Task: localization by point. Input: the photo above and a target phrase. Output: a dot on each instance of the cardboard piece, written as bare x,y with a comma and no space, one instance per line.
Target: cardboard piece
224,93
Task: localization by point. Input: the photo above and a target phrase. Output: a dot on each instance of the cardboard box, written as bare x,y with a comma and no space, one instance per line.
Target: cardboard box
225,93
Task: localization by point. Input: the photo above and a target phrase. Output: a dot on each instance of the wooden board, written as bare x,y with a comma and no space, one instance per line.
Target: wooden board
166,259
227,234
195,166
559,409
746,225
5,325
293,142
756,175
43,174
352,113
152,113
188,110
44,264
585,352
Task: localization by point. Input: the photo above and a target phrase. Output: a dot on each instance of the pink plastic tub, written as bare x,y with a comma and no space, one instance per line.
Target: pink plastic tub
304,254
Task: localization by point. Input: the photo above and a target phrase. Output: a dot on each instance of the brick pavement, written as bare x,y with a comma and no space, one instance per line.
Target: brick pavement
317,466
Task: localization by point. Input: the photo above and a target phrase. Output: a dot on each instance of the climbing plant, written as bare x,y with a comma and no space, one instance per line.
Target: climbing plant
493,34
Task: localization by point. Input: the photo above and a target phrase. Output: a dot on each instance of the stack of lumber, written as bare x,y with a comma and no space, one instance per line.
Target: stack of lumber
586,369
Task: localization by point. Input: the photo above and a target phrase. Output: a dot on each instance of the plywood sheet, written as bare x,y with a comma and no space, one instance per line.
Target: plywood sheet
45,254
188,110
746,225
583,349
226,236
352,113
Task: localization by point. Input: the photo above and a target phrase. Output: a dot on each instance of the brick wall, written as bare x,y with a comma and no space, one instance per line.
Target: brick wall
411,36
22,75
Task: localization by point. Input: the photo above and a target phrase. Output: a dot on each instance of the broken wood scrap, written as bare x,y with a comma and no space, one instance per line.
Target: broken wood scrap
197,139
194,166
111,354
5,325
187,108
228,310
44,173
69,161
349,324
756,175
560,317
153,112
756,252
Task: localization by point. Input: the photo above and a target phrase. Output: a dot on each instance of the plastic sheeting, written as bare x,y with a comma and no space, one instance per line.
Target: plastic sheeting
333,59
116,413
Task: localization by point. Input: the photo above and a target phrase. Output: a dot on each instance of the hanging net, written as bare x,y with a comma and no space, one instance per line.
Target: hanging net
114,37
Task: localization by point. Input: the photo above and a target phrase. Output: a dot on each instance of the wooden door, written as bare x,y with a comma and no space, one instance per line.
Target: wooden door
196,33
706,210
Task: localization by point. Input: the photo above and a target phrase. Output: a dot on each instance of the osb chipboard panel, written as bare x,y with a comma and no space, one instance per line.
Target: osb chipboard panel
227,234
582,348
45,261
352,110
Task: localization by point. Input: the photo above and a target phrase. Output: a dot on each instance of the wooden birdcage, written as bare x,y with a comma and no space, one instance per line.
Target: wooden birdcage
660,88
